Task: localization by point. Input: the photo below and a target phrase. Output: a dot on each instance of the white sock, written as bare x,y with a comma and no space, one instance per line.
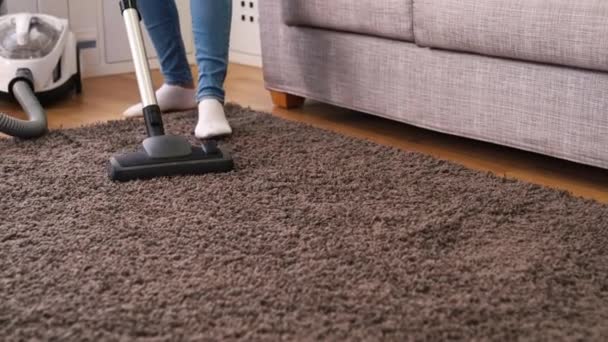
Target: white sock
170,98
212,120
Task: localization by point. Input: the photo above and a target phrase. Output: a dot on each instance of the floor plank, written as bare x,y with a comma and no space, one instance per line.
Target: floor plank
104,98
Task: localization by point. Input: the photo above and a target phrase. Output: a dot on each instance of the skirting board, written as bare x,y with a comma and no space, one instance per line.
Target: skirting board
105,69
246,59
120,68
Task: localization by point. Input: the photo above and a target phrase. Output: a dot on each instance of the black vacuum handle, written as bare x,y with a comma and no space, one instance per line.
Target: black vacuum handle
151,111
154,121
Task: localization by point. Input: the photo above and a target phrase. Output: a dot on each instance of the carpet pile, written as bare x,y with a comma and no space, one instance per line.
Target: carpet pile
314,236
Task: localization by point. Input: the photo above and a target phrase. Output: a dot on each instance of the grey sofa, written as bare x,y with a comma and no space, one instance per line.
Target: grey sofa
528,74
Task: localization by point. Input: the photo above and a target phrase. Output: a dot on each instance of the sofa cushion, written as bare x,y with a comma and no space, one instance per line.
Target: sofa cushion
383,18
564,32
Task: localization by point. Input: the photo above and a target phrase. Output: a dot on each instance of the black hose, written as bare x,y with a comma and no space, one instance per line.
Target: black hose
25,129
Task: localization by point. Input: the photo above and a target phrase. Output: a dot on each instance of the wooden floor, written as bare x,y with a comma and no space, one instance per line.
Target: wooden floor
105,98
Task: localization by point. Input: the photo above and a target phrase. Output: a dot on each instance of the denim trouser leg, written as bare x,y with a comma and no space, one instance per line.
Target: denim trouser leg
211,20
162,22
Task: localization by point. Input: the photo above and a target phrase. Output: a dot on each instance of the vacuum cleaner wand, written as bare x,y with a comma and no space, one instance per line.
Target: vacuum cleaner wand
152,114
162,155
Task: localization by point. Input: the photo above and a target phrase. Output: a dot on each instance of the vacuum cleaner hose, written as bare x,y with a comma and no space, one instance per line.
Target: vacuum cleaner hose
25,129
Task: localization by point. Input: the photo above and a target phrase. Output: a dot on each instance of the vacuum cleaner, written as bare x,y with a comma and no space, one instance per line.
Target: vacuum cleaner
162,155
39,60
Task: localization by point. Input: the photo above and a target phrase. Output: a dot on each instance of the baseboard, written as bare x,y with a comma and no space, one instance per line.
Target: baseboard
245,58
93,70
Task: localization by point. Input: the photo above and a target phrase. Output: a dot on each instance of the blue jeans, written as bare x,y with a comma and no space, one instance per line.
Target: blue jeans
211,21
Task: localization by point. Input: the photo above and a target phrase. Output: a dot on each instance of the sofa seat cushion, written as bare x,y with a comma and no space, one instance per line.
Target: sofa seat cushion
564,32
382,18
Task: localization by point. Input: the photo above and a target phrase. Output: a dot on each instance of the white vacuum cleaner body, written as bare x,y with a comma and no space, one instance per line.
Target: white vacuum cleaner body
42,44
39,61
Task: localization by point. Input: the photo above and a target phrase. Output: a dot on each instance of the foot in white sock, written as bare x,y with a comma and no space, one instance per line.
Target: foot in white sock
212,120
170,98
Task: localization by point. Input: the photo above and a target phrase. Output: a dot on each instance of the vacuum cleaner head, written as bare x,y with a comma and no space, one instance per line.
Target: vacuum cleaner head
163,155
167,156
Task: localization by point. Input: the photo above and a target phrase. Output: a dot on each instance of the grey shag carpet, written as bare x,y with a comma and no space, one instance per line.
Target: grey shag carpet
316,236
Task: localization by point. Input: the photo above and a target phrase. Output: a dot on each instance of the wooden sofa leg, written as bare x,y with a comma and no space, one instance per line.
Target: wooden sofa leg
285,100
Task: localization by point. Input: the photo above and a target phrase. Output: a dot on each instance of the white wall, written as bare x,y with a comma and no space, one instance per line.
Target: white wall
100,20
14,6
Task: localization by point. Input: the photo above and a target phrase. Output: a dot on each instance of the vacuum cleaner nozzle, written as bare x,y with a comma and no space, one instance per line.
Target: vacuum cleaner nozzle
162,155
208,158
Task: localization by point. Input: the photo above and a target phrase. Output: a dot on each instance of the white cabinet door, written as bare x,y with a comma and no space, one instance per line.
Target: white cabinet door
57,8
84,19
116,41
84,16
16,6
